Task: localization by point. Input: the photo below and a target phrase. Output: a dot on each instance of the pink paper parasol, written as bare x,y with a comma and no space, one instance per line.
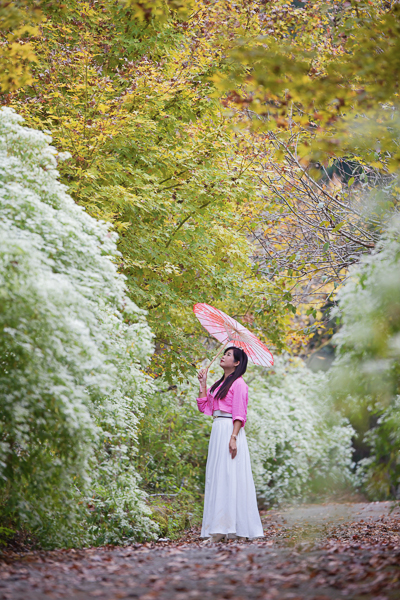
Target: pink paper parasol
228,331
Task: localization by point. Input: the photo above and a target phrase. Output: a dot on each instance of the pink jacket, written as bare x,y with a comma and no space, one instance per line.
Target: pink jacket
235,401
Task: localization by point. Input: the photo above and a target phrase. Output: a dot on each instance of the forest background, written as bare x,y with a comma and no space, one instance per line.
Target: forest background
243,154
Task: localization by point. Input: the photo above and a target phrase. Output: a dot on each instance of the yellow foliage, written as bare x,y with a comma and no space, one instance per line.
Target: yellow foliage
130,99
17,27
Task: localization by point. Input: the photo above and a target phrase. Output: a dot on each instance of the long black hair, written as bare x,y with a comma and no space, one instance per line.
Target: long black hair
239,355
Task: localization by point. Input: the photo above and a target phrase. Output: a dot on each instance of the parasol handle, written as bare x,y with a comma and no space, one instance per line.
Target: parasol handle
218,354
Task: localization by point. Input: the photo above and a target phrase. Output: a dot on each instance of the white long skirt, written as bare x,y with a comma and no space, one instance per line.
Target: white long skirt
230,503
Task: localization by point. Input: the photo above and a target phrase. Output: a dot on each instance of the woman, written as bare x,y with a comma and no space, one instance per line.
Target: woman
230,504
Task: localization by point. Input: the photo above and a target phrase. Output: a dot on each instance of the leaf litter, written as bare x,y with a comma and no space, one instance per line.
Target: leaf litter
355,559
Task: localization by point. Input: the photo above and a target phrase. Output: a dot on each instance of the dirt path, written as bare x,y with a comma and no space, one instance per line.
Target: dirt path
315,552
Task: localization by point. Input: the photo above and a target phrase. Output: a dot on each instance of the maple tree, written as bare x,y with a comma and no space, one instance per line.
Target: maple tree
129,95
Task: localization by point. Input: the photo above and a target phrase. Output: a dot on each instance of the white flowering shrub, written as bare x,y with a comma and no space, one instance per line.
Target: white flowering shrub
368,343
72,347
366,373
300,448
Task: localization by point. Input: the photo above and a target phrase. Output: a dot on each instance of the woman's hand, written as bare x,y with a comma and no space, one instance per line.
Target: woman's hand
232,447
237,423
202,377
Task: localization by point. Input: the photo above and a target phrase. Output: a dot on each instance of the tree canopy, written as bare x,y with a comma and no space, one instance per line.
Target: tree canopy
232,146
317,83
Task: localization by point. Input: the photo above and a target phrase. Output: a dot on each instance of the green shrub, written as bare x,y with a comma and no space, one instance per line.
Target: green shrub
176,513
173,441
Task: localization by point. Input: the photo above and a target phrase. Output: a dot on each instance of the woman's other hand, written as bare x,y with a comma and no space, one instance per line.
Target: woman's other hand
232,447
237,424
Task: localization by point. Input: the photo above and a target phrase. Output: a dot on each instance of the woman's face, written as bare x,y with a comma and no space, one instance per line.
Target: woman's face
228,360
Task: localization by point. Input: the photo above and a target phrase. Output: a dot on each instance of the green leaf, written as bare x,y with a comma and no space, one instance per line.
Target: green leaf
339,226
